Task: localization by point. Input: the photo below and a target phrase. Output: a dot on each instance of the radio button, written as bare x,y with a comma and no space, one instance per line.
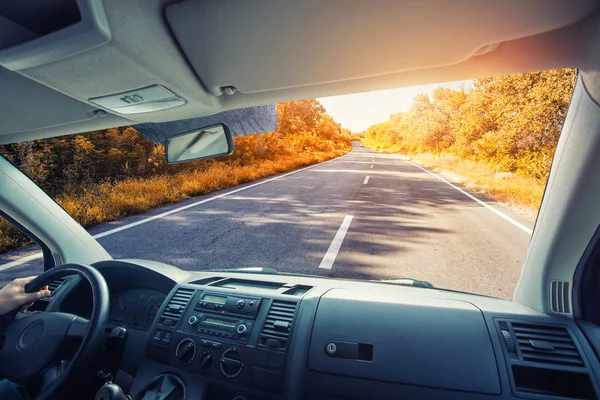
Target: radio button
158,335
240,304
210,343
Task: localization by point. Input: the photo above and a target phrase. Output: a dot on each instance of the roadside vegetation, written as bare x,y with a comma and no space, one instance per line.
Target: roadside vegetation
107,175
499,136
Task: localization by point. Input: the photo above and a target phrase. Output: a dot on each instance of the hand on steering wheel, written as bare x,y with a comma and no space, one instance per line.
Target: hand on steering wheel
32,344
13,296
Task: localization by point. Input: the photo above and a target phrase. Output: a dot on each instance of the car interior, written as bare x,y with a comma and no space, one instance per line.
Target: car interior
139,328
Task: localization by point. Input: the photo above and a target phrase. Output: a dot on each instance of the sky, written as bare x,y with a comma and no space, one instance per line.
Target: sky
359,111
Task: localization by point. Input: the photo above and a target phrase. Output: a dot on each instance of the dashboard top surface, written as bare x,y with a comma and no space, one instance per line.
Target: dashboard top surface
394,339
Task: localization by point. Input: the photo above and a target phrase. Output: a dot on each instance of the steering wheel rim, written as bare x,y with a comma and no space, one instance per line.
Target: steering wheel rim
43,334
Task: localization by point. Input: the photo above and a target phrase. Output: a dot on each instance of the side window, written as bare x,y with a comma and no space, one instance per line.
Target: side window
20,256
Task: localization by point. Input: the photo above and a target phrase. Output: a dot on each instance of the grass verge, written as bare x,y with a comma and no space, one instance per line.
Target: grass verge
523,194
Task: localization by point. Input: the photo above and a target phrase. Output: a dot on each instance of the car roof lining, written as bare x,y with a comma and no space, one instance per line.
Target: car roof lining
147,53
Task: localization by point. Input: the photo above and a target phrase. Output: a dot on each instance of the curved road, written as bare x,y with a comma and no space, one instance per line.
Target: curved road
366,215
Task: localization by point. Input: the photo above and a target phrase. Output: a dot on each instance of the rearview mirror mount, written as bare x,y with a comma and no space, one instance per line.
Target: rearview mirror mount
199,144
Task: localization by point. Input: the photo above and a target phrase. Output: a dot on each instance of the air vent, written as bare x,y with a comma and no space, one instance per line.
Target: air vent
560,297
546,344
55,285
176,306
278,325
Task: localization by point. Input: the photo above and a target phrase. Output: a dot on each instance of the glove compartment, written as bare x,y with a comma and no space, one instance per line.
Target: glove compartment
403,339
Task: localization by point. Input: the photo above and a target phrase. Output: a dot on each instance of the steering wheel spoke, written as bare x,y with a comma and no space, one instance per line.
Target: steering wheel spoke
52,373
79,329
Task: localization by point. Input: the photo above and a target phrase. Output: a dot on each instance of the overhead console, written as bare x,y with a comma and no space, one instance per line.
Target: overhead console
49,31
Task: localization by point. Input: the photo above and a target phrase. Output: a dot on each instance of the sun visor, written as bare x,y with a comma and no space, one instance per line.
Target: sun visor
241,122
255,46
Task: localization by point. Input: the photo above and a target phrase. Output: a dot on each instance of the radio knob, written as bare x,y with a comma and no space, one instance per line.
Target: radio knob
193,321
242,329
240,304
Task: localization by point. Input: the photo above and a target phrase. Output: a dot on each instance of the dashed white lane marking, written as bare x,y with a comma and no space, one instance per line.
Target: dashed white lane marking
366,180
336,244
36,256
492,209
371,166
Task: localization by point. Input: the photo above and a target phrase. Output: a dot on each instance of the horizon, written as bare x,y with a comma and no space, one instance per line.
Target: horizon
359,111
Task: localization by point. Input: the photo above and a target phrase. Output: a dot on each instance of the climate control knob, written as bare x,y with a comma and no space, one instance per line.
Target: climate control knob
231,362
186,351
193,321
242,329
206,362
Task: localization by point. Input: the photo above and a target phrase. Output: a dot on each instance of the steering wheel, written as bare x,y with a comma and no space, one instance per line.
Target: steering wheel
36,346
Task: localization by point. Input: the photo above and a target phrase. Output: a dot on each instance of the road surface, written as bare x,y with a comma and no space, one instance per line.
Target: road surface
366,215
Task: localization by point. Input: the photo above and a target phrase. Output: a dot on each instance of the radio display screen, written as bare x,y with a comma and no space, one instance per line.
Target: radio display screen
214,299
221,322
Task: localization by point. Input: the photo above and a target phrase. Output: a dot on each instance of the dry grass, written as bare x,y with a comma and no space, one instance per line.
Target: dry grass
110,201
107,202
521,193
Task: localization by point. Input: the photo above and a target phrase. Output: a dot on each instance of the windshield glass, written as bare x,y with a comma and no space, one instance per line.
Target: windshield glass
438,183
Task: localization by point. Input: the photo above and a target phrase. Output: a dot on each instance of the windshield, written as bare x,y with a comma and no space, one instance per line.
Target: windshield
438,183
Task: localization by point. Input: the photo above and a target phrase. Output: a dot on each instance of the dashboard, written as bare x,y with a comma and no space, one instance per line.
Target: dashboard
135,296
240,336
135,308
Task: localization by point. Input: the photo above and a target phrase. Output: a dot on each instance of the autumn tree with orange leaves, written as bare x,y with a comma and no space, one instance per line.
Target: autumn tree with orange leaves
106,175
511,122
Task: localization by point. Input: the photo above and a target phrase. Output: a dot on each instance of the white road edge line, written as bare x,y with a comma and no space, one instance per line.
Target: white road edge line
366,180
336,244
36,256
20,261
492,209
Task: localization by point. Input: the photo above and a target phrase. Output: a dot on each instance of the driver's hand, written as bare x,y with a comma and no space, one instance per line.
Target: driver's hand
13,296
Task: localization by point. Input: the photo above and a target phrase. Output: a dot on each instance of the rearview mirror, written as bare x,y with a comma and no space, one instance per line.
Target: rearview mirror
209,142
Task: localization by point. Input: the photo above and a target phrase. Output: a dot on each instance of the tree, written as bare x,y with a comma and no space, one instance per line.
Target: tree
512,122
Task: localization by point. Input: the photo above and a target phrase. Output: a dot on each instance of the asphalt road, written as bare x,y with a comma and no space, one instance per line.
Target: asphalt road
331,220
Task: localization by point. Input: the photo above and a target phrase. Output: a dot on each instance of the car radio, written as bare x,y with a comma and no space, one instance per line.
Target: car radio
221,327
228,304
